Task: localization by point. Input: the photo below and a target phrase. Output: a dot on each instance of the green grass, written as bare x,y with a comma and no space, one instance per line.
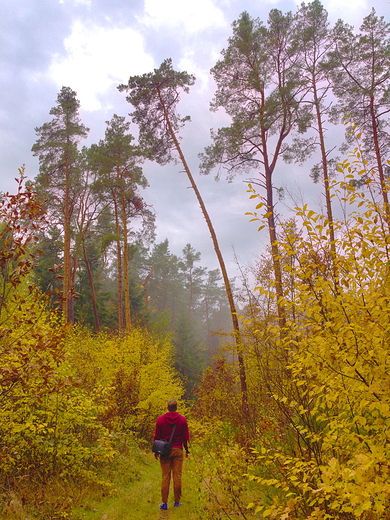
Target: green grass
139,496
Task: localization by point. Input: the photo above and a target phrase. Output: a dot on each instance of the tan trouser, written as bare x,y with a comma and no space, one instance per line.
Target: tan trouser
171,465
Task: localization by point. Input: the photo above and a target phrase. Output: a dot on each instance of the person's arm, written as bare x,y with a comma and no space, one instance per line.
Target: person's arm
186,439
156,437
157,431
185,446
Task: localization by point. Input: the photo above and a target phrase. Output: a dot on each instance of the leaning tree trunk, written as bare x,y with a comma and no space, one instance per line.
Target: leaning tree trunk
233,312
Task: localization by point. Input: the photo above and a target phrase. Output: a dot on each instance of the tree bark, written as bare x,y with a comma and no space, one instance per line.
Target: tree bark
119,261
93,294
325,173
384,187
126,283
268,169
67,296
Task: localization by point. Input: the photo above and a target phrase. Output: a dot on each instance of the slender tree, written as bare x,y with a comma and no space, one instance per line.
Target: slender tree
89,210
155,96
57,181
314,40
120,178
165,282
188,354
361,80
193,276
213,300
258,85
47,271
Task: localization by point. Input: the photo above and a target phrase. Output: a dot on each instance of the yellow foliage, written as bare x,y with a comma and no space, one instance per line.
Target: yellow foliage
335,387
134,369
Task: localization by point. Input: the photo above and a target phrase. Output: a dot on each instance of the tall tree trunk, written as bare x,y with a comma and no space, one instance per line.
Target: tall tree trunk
209,342
126,282
189,310
233,312
91,285
269,168
119,261
275,258
384,187
67,293
328,201
73,272
145,285
324,161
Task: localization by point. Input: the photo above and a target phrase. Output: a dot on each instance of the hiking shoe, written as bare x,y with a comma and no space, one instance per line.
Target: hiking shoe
164,505
177,504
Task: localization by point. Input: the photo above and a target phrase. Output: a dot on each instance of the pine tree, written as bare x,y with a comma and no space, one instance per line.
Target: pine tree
361,80
119,179
259,86
189,357
155,97
58,179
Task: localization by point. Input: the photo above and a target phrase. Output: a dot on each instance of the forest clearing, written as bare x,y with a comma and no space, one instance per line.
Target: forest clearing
285,382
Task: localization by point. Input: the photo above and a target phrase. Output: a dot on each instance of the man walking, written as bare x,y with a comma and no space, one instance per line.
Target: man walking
173,463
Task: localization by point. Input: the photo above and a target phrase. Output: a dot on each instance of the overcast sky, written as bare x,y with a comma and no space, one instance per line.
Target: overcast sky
94,45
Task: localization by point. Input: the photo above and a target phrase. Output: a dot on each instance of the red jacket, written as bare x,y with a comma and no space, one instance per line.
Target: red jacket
164,426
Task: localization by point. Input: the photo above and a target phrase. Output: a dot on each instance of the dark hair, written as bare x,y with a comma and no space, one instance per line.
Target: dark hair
172,405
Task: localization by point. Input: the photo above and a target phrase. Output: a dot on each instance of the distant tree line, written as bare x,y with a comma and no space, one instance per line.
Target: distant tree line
97,257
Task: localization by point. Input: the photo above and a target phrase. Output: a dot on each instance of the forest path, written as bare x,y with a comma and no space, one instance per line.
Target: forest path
140,498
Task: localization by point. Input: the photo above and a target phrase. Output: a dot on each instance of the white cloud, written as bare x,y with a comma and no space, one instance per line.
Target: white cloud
188,17
97,59
87,3
337,10
189,64
342,10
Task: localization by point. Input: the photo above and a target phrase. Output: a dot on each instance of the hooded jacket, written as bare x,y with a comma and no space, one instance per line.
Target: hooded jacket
164,426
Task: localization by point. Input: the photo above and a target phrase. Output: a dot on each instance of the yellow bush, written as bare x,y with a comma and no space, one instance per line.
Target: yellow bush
337,340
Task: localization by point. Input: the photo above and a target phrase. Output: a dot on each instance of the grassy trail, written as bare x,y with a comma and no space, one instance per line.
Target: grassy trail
139,499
